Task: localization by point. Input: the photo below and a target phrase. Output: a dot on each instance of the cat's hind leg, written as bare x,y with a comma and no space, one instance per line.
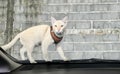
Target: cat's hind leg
22,53
29,53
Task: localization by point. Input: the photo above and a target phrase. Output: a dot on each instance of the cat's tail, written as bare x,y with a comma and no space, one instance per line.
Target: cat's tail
10,44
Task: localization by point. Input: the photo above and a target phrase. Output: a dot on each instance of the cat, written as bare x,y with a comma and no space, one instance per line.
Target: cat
43,34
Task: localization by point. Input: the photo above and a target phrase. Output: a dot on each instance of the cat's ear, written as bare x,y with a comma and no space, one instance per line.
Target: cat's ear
53,20
65,20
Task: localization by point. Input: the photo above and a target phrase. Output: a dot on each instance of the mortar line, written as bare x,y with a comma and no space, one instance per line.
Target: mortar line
74,12
117,1
57,4
91,22
95,29
87,51
92,42
77,21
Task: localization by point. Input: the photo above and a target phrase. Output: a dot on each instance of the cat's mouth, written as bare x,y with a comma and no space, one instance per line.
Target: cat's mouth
59,33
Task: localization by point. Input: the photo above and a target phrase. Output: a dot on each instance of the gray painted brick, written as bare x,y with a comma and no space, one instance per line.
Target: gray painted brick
92,47
55,8
54,56
1,39
83,1
2,26
92,55
116,46
67,46
100,7
114,7
110,16
111,55
58,16
91,38
79,25
74,55
85,16
106,24
64,46
74,1
55,1
80,8
92,1
74,38
111,37
108,1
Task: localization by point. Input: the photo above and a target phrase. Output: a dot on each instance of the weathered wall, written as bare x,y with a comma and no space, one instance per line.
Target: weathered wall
93,29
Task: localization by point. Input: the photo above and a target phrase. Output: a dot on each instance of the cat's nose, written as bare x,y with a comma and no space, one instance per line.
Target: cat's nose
59,33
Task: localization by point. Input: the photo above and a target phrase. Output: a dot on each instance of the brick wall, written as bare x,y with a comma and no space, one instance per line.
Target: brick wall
93,29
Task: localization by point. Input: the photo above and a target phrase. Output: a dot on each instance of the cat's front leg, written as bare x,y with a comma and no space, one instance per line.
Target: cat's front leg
60,51
45,44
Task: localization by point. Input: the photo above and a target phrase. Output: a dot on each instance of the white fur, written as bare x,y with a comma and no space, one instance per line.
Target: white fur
33,36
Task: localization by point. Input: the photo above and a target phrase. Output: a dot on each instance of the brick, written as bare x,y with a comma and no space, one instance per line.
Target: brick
74,38
114,7
74,1
83,1
2,26
54,1
110,16
52,47
43,17
74,55
69,55
111,55
116,46
79,25
92,1
2,39
3,3
54,55
92,46
106,24
19,18
58,16
110,37
109,1
80,8
100,7
91,38
67,46
90,55
38,56
55,8
85,16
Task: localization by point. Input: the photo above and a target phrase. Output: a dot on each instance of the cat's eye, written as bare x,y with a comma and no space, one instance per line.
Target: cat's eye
61,25
55,25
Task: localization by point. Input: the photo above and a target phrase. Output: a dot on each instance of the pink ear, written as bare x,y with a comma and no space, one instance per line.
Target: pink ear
53,20
65,19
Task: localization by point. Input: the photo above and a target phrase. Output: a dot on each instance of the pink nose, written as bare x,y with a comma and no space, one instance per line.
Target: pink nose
58,29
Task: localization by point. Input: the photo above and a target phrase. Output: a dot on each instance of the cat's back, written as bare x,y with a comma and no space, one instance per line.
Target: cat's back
36,30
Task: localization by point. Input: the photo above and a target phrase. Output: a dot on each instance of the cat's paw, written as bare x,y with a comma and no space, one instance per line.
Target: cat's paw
66,59
48,60
33,61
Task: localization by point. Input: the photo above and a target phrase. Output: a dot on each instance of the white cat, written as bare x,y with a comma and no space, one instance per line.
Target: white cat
43,34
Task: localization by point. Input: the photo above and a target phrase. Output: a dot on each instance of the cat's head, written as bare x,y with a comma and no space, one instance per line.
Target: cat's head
59,25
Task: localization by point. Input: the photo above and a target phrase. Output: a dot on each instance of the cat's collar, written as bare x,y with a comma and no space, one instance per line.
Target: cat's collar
54,36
